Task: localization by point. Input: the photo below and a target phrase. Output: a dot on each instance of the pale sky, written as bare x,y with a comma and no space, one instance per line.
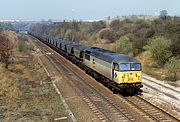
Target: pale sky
83,9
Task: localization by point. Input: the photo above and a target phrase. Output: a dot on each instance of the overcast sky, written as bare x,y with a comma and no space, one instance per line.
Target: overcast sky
83,9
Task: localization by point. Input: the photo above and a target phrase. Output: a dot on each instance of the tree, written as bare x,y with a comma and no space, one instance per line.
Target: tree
163,14
160,49
96,26
75,25
69,35
173,67
140,39
6,26
115,24
106,33
123,45
5,50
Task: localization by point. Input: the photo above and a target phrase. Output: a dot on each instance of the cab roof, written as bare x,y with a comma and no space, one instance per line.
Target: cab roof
111,56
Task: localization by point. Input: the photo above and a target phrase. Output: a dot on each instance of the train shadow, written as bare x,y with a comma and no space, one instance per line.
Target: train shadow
129,94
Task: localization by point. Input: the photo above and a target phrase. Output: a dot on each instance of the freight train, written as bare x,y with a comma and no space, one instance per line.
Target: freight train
118,72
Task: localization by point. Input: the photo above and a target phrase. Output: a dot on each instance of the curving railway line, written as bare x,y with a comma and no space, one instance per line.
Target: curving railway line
106,105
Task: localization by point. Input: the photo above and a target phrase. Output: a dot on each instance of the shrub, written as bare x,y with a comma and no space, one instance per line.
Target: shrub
115,24
123,45
173,67
160,49
106,33
21,44
6,47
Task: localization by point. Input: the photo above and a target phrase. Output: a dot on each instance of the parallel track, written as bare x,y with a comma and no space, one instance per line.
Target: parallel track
151,110
163,86
176,91
159,90
108,107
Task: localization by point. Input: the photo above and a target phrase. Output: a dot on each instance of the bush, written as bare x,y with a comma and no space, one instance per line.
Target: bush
95,26
69,35
115,24
173,67
94,37
160,49
106,33
123,45
21,44
6,47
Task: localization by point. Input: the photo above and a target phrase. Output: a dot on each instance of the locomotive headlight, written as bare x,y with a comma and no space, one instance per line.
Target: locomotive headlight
123,76
139,77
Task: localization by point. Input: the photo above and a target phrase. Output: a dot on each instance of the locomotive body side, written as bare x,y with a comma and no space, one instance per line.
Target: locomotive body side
98,65
121,69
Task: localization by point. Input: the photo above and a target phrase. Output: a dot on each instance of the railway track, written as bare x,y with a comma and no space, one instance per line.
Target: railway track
170,93
107,106
174,90
151,110
159,90
168,89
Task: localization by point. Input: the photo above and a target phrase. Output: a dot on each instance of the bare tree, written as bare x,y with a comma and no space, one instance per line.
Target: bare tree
5,50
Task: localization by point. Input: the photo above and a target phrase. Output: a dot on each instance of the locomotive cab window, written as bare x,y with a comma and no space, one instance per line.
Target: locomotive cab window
88,52
116,66
124,67
136,66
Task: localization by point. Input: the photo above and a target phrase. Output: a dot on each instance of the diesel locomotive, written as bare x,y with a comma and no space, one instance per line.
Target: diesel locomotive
118,72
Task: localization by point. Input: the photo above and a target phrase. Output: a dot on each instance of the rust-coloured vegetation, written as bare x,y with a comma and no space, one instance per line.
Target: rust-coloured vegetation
5,49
